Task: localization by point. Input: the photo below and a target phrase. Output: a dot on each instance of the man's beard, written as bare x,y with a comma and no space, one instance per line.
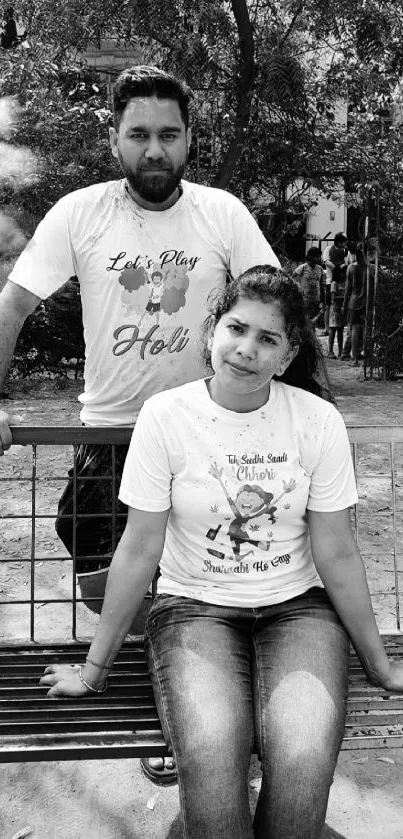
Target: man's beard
154,188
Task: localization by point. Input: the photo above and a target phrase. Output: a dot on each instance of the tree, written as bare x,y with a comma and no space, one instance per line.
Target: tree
268,77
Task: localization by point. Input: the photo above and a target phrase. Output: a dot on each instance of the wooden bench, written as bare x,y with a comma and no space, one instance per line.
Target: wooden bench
124,721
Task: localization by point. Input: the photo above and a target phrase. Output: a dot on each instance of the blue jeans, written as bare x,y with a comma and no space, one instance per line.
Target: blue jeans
228,681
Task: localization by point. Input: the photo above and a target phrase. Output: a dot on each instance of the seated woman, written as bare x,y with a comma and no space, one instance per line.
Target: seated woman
239,488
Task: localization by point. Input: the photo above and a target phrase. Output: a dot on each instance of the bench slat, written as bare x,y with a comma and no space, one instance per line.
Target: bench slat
388,741
104,745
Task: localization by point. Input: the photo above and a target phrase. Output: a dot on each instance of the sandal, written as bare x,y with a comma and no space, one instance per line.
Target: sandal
162,777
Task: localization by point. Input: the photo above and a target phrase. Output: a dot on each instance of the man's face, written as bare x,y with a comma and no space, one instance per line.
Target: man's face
152,146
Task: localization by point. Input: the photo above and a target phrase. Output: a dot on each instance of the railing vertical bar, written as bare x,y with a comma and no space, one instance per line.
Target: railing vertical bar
354,447
113,460
74,545
393,477
33,537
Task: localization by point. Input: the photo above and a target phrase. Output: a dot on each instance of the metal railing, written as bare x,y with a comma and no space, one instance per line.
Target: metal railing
40,469
28,541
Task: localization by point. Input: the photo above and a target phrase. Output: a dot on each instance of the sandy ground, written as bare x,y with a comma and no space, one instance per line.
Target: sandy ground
111,799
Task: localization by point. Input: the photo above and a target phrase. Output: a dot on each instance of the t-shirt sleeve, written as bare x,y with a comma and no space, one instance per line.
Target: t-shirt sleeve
248,245
146,479
333,484
299,271
47,261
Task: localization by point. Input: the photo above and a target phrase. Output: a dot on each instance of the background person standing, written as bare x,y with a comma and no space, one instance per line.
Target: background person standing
338,252
354,304
311,279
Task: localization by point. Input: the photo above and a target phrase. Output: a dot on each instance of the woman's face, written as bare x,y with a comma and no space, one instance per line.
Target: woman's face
248,347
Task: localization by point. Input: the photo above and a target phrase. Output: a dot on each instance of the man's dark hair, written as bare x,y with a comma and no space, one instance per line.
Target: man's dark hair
340,239
313,253
146,80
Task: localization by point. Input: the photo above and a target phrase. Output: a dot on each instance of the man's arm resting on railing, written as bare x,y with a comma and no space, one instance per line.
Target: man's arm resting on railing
16,303
341,569
132,569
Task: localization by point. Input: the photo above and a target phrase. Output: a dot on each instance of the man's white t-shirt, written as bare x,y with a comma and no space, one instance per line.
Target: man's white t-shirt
238,486
113,246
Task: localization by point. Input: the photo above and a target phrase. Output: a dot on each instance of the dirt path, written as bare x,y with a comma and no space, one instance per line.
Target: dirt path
108,800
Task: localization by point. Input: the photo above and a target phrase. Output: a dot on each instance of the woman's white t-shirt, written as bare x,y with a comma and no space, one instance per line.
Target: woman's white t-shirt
238,486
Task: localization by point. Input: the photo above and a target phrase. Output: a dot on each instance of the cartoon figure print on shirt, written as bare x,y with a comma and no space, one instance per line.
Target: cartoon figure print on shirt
250,502
150,292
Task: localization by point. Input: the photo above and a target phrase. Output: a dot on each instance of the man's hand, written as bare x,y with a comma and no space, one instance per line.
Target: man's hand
5,433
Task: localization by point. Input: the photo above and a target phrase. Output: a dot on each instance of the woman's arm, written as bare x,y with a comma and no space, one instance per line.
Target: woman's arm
341,569
131,571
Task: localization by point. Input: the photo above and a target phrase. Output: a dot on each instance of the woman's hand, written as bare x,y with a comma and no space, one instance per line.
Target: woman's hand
5,433
64,680
394,680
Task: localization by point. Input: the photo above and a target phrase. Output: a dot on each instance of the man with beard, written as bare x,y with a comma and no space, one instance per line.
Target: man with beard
141,336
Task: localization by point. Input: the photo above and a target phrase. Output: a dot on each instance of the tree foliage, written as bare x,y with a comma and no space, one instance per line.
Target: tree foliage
268,77
52,339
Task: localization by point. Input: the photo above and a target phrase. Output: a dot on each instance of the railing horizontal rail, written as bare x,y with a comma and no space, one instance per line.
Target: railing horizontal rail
75,435
375,433
55,435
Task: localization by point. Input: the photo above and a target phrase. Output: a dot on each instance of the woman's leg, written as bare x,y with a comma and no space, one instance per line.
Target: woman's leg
347,342
340,340
200,666
355,340
332,332
301,669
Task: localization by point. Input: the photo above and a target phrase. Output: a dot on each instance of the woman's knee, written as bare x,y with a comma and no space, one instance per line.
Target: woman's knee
303,721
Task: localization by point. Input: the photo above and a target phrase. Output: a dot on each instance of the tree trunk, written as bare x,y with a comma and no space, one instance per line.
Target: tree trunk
245,90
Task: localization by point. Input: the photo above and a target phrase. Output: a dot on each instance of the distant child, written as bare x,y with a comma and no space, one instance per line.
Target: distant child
310,277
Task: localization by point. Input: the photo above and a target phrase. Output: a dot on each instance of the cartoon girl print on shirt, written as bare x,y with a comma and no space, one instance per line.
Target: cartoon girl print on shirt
250,502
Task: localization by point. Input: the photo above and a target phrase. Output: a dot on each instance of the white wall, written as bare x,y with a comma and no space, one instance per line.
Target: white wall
320,223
